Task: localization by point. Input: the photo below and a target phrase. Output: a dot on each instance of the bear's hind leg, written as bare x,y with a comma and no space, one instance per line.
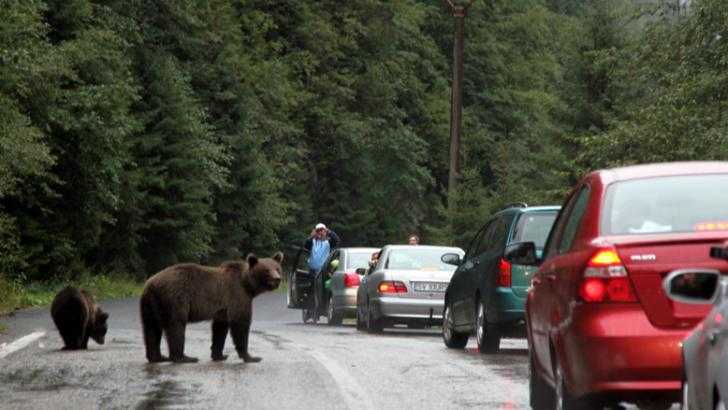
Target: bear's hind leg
152,327
176,342
219,334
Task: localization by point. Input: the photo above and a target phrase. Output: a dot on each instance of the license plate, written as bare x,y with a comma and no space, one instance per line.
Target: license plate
430,287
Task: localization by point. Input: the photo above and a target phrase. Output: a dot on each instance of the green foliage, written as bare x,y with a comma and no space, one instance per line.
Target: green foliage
136,134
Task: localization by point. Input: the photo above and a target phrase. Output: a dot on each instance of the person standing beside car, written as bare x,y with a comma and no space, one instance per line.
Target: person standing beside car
319,245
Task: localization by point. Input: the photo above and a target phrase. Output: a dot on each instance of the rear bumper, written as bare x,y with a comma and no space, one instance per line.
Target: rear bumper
409,308
507,307
345,301
615,349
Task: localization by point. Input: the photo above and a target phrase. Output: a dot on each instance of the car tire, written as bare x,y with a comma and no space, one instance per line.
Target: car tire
719,403
334,318
562,398
374,325
452,339
487,334
541,395
359,320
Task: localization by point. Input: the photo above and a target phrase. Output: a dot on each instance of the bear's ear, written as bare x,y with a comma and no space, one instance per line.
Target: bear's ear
278,257
251,259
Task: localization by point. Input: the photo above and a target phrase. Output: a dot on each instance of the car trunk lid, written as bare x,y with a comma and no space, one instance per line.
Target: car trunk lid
422,284
649,259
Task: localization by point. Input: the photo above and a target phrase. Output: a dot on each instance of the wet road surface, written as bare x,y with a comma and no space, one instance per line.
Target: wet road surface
304,366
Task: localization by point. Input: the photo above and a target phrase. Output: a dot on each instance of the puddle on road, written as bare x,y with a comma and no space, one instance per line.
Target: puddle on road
167,393
40,380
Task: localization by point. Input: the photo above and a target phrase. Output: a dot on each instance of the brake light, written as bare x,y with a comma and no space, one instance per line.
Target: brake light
505,274
351,280
389,286
606,279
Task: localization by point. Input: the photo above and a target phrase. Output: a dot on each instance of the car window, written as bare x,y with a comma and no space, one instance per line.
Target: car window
419,258
573,222
476,241
685,203
494,238
356,260
302,262
534,227
558,228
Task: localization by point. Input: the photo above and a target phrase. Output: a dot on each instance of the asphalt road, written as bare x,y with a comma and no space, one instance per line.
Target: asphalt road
304,366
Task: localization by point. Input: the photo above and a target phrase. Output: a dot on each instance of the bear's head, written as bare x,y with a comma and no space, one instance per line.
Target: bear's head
99,326
265,272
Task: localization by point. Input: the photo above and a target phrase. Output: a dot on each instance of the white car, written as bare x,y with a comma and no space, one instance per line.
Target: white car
407,286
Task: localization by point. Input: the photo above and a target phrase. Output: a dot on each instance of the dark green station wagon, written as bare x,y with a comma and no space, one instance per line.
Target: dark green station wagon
487,293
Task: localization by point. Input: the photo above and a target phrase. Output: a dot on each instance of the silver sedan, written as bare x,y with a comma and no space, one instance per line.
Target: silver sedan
407,286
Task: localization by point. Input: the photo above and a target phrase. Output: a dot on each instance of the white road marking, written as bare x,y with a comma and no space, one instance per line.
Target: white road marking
12,347
350,389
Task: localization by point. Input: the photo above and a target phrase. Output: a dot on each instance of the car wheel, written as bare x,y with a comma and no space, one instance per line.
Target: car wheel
541,395
452,339
719,403
334,318
373,325
562,398
487,335
359,320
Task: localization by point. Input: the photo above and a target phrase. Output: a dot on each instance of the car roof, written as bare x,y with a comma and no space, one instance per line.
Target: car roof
359,249
453,248
662,170
543,208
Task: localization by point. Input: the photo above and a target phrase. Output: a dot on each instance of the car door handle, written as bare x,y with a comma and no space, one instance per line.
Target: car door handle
551,277
535,282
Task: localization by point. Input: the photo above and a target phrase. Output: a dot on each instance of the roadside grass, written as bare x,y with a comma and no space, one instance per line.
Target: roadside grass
16,295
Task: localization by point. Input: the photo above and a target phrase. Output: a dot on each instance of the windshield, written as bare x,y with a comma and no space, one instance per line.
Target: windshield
358,260
686,203
420,259
534,227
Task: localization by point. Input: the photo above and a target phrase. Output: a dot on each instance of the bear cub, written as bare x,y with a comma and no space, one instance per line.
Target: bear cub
78,318
188,293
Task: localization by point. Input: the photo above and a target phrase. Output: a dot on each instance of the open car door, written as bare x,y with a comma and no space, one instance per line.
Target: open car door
300,284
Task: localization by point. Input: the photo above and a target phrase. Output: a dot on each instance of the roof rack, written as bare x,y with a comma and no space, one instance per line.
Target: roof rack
516,205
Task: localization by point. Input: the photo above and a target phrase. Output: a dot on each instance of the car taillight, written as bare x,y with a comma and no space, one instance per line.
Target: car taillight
389,286
351,280
505,270
606,280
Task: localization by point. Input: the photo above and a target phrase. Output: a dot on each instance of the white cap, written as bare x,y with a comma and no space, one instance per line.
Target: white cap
320,226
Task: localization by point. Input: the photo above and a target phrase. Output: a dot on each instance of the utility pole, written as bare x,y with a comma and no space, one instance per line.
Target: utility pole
458,11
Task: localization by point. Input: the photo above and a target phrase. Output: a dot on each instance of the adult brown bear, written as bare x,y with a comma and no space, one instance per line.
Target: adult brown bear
187,293
78,318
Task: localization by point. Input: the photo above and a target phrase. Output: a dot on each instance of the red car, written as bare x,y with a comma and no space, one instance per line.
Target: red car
600,328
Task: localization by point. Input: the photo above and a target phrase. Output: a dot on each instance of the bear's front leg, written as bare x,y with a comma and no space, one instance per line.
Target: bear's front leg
240,331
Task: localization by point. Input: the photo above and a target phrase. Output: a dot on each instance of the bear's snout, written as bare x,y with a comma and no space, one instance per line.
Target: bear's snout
273,283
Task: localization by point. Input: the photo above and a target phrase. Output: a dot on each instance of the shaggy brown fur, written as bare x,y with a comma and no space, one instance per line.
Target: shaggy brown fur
78,318
186,293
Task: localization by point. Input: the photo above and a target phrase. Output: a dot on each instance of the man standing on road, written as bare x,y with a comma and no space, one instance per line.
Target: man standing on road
321,242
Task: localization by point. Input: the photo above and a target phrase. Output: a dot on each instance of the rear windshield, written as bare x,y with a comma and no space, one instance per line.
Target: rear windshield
686,203
534,227
416,258
358,260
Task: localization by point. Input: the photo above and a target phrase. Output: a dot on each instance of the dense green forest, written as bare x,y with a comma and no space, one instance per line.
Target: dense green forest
138,133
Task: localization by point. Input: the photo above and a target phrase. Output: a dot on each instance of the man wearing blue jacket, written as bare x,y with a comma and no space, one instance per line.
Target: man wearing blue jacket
320,244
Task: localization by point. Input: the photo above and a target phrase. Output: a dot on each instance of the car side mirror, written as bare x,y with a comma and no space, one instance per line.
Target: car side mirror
451,259
361,271
694,286
521,253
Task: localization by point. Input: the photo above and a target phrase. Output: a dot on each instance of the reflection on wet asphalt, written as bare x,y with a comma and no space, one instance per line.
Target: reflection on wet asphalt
304,366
